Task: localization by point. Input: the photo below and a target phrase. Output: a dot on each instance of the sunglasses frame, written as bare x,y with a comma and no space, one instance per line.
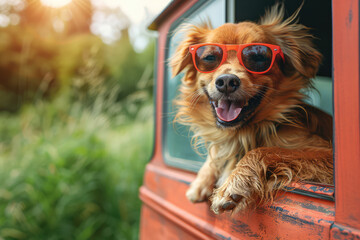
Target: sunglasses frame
238,48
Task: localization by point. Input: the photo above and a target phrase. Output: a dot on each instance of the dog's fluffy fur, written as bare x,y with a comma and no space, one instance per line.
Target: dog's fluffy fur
281,140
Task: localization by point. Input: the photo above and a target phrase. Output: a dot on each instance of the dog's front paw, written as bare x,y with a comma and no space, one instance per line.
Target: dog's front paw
231,196
199,191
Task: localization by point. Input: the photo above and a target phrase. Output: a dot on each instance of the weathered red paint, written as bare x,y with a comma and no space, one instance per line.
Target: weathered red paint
347,111
292,216
344,232
323,190
167,214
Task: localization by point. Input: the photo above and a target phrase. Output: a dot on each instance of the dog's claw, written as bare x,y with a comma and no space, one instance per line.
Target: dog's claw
236,197
228,206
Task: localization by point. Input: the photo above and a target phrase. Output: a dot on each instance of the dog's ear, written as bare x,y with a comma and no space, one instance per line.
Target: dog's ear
182,57
295,41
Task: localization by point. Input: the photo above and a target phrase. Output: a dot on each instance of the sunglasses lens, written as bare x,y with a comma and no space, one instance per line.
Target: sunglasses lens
208,58
257,58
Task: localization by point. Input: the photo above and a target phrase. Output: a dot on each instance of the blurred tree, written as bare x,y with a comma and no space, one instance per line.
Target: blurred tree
48,49
117,74
30,69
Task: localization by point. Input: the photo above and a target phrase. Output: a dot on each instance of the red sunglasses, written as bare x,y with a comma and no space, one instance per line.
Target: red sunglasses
255,57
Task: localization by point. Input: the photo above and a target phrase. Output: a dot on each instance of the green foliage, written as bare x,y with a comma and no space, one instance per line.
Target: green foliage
132,65
71,174
71,167
73,151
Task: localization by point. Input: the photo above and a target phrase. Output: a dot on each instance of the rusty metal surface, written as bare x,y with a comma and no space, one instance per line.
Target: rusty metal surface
167,214
316,188
347,111
292,216
340,232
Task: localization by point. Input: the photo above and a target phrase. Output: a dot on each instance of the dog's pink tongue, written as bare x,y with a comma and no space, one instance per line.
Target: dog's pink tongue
228,111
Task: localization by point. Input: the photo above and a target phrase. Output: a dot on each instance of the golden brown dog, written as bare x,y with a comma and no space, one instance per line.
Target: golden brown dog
241,97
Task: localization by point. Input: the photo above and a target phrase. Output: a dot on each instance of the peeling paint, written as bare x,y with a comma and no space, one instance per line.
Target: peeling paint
317,208
349,18
285,216
341,232
295,220
311,206
279,209
245,229
312,190
321,189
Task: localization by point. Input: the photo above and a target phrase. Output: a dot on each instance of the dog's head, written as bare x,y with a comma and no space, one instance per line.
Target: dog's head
236,84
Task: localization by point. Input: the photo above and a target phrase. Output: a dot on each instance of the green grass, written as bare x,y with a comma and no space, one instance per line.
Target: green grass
68,173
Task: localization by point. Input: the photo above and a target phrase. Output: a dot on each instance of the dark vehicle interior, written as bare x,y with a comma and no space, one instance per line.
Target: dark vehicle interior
314,14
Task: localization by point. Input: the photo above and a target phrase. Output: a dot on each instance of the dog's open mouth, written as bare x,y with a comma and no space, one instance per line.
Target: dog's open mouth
227,110
232,112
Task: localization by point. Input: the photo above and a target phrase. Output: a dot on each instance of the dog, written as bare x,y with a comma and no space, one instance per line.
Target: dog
241,96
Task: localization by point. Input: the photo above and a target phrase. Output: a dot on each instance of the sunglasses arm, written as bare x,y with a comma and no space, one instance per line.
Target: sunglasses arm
282,55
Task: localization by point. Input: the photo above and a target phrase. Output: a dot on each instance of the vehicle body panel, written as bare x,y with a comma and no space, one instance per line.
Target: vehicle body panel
167,214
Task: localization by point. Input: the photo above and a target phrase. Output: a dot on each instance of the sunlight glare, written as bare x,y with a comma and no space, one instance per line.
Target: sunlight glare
55,3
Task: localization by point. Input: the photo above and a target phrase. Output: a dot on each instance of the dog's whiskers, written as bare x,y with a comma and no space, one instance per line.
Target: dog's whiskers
195,97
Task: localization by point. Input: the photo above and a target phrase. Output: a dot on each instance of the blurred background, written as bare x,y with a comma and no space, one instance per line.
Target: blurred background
76,116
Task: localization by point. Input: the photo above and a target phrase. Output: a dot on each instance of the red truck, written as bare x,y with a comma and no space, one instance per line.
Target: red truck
308,210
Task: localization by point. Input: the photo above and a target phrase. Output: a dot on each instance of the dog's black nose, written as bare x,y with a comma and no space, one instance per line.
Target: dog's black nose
227,83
